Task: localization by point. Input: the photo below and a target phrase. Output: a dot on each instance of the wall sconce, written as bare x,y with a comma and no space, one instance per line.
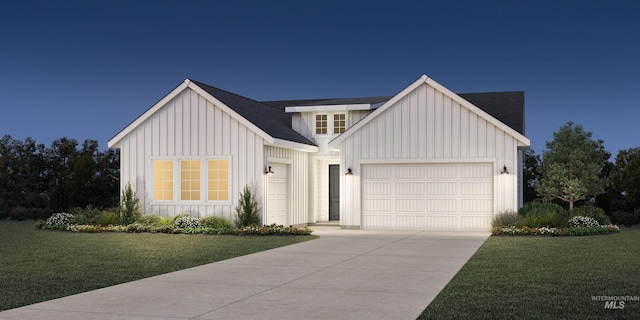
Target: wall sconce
504,170
268,171
349,172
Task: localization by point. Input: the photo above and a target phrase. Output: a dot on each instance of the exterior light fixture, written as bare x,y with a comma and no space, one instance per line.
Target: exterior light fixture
349,172
504,170
268,171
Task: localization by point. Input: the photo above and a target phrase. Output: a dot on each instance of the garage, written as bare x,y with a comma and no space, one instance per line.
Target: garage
447,196
277,195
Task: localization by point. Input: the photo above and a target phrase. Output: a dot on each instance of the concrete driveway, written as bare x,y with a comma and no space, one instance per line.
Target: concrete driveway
346,274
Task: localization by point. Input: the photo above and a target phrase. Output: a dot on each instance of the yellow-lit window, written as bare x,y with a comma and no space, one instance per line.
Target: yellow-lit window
190,179
321,124
218,175
339,123
163,180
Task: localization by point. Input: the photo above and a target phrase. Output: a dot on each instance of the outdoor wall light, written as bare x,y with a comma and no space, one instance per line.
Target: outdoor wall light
349,172
268,171
504,170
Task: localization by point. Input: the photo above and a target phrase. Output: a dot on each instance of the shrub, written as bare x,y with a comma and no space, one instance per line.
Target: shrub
582,222
185,220
86,215
19,213
591,212
625,218
129,207
506,218
215,222
59,221
273,230
544,219
108,217
541,207
151,219
247,211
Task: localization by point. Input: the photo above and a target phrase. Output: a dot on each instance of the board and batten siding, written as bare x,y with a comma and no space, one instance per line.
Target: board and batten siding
427,126
299,164
191,127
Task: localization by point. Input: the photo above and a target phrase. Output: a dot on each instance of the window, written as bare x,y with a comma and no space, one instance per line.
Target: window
321,124
218,175
339,123
190,180
163,180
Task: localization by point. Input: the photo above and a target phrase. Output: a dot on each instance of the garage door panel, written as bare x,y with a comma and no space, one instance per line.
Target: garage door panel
441,188
477,189
410,188
441,172
410,205
377,205
480,206
427,196
375,188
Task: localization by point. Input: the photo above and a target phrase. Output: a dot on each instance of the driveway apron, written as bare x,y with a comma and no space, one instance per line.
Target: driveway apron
345,274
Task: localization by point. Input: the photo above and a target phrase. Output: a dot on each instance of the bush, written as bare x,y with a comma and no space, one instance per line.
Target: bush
625,218
129,207
582,222
108,217
544,219
506,218
215,222
151,219
247,211
59,221
273,230
541,207
86,215
591,212
185,220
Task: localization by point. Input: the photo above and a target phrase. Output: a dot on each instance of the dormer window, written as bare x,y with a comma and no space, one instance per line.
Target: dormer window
339,123
321,124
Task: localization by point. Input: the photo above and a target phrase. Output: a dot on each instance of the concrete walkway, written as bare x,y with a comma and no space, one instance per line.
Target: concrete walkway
346,274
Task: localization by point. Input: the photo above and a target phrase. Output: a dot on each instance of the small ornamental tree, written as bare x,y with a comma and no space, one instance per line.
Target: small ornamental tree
129,206
247,210
570,169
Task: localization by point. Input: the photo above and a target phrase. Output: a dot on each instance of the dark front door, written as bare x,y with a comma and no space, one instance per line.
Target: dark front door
334,192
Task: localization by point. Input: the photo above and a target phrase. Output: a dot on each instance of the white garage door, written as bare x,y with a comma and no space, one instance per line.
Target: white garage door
427,196
277,195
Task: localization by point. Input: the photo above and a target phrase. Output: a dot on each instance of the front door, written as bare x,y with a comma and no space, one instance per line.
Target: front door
334,192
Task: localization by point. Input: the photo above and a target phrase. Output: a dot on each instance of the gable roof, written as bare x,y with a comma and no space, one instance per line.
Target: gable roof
508,107
271,120
271,123
485,99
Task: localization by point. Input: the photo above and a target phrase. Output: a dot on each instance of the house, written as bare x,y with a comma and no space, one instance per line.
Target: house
426,158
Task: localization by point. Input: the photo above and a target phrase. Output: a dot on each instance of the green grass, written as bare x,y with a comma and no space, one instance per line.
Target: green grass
39,265
529,277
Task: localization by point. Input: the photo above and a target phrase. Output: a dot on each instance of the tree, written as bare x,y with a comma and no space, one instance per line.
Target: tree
530,175
247,211
625,178
570,169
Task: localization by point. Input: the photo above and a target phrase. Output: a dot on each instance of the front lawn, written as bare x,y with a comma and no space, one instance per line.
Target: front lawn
40,265
542,277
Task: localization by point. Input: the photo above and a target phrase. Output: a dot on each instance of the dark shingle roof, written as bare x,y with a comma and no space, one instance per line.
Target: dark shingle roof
508,107
274,122
326,102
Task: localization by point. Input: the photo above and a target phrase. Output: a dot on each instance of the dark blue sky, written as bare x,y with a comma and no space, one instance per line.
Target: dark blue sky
86,69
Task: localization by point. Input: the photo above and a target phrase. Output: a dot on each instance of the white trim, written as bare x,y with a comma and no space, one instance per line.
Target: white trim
174,93
427,161
144,116
332,107
522,140
292,145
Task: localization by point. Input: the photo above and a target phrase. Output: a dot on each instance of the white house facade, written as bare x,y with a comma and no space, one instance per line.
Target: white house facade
425,159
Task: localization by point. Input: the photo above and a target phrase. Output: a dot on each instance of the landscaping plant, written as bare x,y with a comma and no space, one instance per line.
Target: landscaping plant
129,206
247,211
